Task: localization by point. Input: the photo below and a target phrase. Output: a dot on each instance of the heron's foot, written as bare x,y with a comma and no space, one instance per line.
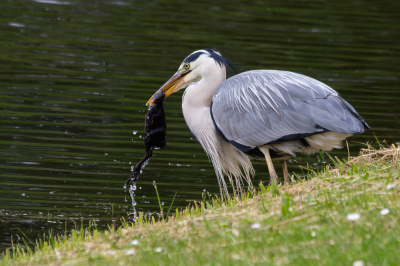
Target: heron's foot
285,173
272,178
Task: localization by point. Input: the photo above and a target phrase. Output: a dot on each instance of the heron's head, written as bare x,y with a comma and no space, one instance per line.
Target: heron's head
193,68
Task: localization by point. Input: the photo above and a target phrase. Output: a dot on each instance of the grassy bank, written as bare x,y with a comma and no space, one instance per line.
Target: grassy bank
348,215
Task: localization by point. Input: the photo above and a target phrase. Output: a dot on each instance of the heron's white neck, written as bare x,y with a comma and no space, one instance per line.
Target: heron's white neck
196,110
226,159
199,94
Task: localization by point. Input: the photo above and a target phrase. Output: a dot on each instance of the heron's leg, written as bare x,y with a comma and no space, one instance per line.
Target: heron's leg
271,169
285,173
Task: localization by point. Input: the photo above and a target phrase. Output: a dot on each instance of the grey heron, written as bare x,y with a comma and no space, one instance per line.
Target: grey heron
266,114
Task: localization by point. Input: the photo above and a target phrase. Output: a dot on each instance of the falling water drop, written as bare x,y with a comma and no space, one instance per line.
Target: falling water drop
132,189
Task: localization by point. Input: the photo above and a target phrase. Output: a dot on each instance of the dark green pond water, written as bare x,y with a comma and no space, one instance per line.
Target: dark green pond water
75,77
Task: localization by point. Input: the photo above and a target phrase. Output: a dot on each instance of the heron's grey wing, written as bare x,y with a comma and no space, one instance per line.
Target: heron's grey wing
268,106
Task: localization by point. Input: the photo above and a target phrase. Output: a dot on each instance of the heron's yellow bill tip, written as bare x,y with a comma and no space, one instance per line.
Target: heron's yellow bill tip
172,85
149,102
157,96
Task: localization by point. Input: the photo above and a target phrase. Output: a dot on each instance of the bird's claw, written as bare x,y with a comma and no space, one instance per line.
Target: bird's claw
271,180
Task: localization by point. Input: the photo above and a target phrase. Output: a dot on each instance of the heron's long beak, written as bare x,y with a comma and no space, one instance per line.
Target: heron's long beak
171,86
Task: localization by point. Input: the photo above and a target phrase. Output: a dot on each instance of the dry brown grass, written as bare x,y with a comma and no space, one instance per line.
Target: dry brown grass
369,154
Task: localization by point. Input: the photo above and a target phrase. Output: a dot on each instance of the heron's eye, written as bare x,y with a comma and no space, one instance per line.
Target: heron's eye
186,66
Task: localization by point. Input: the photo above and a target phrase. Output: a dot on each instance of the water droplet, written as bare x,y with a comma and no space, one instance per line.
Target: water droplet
140,136
23,194
162,203
134,132
105,153
14,24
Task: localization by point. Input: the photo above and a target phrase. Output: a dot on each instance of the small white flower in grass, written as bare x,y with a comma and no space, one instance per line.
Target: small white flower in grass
384,211
236,256
159,249
108,252
313,234
130,251
358,263
353,216
390,186
255,226
235,232
135,242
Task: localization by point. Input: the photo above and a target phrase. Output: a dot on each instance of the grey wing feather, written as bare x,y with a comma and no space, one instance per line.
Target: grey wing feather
262,106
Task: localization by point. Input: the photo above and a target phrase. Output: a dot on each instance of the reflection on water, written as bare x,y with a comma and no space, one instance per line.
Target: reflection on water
75,77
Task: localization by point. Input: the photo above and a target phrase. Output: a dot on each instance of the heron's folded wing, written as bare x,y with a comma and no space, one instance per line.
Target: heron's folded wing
267,106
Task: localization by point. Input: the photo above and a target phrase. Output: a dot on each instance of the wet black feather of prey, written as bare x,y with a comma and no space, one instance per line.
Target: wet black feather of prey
155,133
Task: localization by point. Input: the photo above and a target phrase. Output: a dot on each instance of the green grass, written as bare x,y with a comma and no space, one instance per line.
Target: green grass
302,224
